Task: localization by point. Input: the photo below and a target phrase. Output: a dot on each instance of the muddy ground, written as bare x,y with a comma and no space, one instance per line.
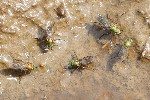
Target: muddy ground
110,77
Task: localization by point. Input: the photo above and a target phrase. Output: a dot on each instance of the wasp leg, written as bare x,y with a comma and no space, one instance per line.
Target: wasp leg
74,70
53,46
20,77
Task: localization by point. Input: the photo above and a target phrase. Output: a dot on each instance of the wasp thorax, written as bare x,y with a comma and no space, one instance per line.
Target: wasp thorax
115,29
74,63
29,66
50,40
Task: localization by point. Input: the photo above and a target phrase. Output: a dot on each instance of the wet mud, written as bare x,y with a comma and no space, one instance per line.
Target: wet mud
46,33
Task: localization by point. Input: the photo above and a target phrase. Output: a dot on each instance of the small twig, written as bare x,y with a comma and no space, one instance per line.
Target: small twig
106,44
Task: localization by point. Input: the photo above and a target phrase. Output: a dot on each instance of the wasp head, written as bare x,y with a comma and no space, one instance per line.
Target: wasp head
50,43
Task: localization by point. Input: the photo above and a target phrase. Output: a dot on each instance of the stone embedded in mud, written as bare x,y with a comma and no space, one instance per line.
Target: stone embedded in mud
146,52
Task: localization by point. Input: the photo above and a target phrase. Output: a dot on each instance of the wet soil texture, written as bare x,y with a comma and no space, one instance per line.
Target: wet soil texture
45,33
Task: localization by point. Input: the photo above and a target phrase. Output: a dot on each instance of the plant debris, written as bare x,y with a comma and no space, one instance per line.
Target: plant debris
60,11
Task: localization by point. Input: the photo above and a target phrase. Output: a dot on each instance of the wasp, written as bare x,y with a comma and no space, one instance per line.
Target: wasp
18,68
45,39
50,42
23,66
49,39
109,27
79,64
110,31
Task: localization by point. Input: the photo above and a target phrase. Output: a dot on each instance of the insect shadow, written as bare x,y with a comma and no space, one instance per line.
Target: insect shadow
95,30
116,56
98,32
14,72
